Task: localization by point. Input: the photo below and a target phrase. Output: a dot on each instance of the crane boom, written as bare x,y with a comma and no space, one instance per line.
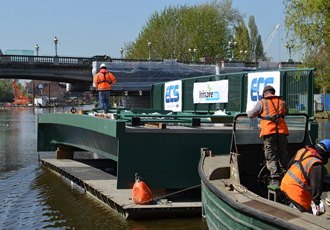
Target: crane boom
19,99
270,37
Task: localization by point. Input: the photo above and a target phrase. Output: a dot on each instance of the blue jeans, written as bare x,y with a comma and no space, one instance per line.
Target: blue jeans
104,97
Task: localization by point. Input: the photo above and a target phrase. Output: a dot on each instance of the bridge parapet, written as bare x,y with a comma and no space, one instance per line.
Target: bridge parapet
82,61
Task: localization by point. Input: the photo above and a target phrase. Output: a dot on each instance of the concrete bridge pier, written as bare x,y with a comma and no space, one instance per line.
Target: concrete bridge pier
64,152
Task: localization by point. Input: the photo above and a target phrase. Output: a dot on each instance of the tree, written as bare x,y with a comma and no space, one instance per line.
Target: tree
320,61
260,50
174,30
6,90
243,39
308,25
253,36
308,22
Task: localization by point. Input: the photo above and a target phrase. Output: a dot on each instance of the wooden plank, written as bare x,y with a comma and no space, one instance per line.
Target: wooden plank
156,125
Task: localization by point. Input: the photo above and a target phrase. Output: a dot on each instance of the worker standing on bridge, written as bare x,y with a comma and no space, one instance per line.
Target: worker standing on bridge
103,81
272,109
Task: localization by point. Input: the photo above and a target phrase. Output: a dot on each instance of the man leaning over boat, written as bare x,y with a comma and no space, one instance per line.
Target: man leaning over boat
303,181
272,109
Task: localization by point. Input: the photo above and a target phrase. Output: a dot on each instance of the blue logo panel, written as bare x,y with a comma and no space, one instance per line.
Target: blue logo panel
255,86
172,94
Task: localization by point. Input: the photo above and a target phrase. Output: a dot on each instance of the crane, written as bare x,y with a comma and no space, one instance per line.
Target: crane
270,37
19,99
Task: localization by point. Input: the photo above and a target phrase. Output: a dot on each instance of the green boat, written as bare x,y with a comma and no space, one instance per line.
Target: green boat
234,185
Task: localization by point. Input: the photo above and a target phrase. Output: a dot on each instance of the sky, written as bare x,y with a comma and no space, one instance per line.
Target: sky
87,28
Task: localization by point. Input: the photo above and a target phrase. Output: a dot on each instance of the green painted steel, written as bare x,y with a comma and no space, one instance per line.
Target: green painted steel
166,159
220,215
80,131
296,89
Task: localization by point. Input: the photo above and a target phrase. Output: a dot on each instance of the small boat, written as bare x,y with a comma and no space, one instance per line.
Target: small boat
235,192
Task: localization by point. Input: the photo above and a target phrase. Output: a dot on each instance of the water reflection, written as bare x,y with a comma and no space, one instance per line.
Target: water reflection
324,129
33,197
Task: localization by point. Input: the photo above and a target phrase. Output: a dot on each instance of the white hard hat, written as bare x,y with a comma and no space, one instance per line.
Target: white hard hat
103,66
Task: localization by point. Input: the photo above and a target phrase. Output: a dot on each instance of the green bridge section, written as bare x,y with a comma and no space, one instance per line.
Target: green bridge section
167,158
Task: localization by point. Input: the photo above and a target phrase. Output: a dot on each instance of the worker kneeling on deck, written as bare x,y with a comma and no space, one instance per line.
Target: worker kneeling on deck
303,181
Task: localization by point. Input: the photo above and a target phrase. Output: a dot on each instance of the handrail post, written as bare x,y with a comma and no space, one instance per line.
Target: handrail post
56,61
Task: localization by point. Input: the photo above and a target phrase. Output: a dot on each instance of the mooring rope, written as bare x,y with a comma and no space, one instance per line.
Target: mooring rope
160,197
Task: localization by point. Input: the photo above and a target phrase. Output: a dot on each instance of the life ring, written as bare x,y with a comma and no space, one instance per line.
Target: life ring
73,110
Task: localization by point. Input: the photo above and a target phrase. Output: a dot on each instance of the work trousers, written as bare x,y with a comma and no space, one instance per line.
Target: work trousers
104,97
275,147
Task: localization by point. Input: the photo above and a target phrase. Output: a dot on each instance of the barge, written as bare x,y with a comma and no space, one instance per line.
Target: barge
163,143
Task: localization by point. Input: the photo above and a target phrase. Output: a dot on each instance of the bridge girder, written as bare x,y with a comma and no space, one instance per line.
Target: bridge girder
69,74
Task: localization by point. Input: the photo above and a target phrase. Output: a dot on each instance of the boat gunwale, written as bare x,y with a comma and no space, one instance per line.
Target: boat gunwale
241,207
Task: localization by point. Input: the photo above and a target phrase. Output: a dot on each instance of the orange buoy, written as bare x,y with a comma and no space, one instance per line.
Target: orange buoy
141,193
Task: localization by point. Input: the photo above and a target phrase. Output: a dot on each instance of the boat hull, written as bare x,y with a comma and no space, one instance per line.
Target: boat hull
221,215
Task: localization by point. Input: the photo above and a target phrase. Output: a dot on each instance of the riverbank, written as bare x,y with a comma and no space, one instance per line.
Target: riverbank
322,115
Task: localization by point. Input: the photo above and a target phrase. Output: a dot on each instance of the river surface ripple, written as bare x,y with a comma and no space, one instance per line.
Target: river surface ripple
34,197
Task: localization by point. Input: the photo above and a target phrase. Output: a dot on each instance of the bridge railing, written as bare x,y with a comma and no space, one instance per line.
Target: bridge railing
84,61
45,59
25,59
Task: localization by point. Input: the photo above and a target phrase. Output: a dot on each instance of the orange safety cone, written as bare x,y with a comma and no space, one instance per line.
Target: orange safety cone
141,193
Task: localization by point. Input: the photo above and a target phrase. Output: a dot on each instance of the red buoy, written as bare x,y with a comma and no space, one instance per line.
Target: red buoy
141,193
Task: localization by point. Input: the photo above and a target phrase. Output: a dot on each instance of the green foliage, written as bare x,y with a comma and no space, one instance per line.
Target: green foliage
253,36
259,52
321,63
174,30
243,39
308,22
308,26
6,90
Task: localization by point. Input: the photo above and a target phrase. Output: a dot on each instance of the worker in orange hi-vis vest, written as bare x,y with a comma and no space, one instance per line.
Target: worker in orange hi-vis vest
303,182
103,81
272,109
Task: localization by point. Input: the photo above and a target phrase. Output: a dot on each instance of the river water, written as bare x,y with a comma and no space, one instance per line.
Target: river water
33,197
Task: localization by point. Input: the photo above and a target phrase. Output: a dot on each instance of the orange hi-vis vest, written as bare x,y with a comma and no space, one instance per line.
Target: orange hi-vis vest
103,80
296,182
273,116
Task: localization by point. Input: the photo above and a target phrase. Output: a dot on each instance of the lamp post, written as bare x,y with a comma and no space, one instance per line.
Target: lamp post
192,51
55,41
290,47
149,44
121,52
37,49
243,53
232,46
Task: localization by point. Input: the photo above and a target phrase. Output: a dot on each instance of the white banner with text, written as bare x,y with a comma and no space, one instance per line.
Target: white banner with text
173,96
257,82
211,92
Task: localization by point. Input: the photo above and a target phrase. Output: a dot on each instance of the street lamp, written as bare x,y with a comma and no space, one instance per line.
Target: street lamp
55,41
192,53
121,52
232,46
290,47
243,53
149,44
37,49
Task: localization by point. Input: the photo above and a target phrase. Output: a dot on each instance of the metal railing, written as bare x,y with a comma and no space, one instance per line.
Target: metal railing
85,61
296,88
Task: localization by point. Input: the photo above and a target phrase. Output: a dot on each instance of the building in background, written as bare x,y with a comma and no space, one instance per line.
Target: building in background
41,89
